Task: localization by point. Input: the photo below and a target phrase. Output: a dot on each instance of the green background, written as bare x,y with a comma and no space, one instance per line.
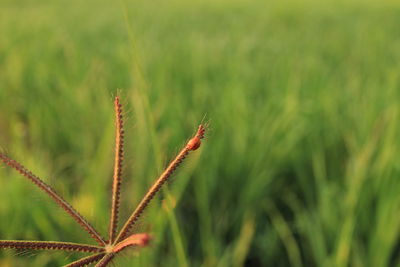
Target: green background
300,167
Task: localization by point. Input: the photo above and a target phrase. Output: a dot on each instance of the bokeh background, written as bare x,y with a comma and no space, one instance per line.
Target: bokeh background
301,166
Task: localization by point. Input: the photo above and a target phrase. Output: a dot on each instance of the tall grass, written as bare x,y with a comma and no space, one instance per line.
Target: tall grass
302,165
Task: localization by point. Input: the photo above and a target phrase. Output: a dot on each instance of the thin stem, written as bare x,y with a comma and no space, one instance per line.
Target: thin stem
85,261
119,156
105,260
193,144
56,197
48,245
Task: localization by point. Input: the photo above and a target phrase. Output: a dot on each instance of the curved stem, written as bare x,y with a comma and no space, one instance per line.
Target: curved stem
56,197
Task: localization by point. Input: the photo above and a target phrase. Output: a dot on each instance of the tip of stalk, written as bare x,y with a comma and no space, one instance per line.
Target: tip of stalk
201,131
116,100
195,142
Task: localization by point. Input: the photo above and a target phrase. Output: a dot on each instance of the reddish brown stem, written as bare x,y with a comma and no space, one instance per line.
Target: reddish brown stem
105,260
193,144
119,156
56,197
86,261
48,245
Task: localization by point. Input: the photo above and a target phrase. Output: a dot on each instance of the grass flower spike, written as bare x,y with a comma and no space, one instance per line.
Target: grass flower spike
106,249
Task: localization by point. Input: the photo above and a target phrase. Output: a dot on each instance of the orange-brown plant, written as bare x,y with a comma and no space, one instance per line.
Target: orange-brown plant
106,249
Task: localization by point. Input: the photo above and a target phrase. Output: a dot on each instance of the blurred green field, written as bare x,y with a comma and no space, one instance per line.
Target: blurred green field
302,163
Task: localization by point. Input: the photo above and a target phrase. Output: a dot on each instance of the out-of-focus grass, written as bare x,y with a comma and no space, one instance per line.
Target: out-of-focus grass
301,167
